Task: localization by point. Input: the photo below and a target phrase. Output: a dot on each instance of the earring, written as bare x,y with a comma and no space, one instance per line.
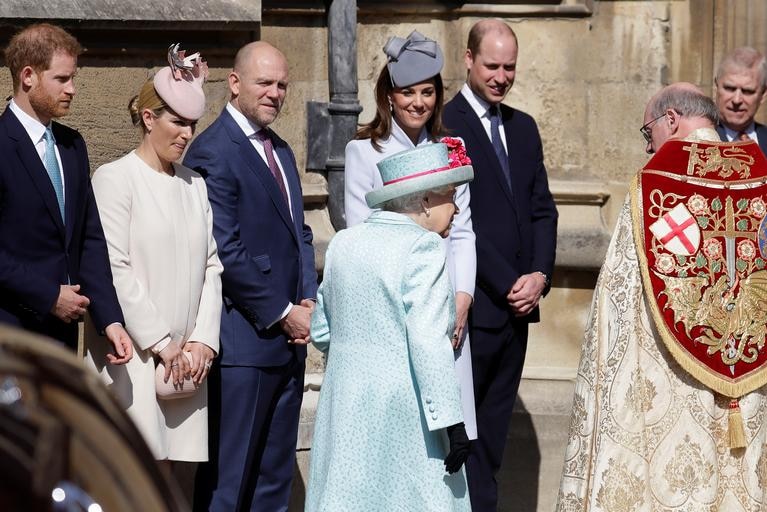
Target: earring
427,211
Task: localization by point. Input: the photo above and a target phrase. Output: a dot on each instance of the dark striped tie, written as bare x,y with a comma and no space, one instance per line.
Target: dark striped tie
265,137
495,138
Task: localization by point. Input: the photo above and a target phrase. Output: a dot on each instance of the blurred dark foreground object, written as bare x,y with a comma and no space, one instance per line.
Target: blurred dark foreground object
65,443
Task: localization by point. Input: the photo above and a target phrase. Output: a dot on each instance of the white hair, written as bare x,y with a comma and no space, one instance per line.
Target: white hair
411,203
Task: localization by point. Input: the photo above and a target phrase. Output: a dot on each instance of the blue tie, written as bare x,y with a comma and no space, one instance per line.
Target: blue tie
495,138
52,166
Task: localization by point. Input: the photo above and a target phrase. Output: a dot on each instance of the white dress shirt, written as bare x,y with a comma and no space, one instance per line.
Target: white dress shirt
732,135
250,129
482,109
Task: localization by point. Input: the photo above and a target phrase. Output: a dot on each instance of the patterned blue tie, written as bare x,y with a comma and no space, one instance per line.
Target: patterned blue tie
495,138
52,166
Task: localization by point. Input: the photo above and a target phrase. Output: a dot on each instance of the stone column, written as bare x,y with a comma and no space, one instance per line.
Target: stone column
344,107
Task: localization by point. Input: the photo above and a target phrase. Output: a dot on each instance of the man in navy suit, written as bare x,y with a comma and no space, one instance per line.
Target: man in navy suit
741,83
269,284
53,258
515,221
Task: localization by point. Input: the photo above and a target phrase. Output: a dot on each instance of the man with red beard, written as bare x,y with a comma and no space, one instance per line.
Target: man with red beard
53,258
741,83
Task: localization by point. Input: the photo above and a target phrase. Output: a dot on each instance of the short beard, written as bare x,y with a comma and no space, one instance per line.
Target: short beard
45,105
261,119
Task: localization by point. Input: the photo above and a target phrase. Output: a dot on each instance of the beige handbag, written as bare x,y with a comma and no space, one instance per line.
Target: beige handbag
167,390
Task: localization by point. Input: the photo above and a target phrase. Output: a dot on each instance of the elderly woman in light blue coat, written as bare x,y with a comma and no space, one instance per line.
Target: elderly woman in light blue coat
389,433
409,95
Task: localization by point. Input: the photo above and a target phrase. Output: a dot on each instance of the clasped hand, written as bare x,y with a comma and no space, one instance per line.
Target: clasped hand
176,363
70,305
297,322
526,293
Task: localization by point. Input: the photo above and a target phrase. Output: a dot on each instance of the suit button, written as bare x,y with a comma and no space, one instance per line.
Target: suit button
518,254
428,400
434,416
431,408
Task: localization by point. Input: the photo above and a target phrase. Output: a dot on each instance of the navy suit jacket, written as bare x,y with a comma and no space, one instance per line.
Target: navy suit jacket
516,227
268,257
39,253
761,134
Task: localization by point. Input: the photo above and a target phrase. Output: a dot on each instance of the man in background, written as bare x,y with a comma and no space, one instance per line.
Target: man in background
741,83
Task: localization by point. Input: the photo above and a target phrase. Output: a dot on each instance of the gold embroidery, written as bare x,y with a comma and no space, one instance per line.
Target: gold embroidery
761,469
726,162
726,276
621,490
688,470
734,323
569,503
640,394
578,417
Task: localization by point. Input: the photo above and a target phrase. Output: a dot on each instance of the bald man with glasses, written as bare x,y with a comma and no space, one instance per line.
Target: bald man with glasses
677,111
642,415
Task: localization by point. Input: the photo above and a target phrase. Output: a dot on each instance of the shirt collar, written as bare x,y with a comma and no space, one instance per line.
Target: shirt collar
34,128
399,135
477,104
248,127
702,135
732,134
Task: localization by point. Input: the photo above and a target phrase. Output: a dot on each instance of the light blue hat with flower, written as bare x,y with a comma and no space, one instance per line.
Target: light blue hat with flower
426,167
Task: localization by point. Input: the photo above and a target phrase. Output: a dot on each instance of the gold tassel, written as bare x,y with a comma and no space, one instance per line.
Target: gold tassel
735,426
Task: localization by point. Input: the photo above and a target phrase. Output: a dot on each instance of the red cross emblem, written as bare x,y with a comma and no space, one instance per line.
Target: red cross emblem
677,231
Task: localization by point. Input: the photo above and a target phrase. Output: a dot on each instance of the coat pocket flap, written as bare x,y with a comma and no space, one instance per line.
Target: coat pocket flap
263,262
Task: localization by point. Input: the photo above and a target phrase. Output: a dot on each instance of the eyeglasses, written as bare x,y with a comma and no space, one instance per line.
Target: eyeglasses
647,128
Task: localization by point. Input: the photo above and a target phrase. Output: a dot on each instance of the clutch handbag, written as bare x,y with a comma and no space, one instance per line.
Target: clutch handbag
169,391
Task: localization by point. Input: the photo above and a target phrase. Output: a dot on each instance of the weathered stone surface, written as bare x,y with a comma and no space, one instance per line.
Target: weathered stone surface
135,10
554,345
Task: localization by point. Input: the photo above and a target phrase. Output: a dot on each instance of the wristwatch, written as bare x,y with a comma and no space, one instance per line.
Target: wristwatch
546,280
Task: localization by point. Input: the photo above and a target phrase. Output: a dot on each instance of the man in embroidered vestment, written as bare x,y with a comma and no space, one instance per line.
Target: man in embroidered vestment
646,434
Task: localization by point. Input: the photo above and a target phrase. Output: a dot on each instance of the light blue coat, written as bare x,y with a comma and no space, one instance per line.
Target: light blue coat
360,177
384,317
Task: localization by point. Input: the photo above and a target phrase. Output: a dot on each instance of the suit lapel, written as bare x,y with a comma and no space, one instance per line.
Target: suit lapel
258,167
506,114
761,135
30,160
294,186
68,155
722,133
475,125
